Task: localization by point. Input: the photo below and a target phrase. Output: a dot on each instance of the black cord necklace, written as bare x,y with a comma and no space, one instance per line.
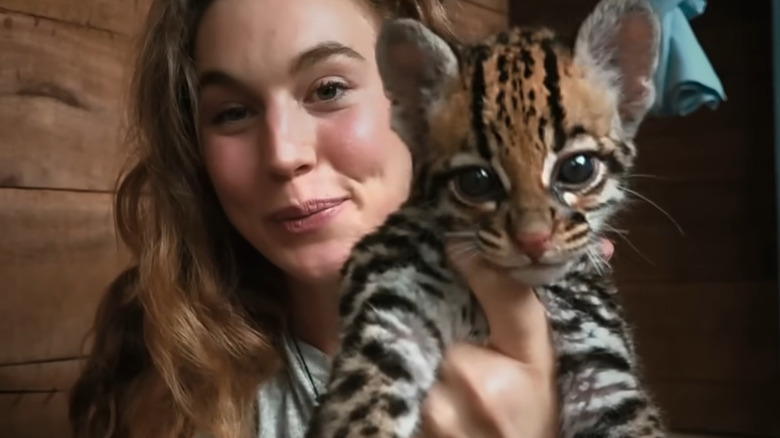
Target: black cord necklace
302,361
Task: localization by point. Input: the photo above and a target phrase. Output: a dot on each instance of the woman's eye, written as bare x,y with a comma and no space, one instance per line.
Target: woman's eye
233,115
328,91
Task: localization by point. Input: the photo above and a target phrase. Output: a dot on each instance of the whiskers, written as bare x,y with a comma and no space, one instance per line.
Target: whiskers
656,206
462,246
623,235
597,259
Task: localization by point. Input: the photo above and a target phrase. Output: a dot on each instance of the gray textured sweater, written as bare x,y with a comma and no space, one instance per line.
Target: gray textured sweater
285,402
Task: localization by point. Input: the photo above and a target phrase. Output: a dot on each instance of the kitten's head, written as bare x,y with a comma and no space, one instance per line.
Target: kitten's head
524,140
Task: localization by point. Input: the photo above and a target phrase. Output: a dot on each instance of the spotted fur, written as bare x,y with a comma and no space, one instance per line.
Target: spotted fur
521,146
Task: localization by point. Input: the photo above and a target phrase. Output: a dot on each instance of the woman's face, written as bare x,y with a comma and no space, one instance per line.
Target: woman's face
296,128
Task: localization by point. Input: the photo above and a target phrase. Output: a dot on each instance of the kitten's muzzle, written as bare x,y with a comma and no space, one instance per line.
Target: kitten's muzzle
533,244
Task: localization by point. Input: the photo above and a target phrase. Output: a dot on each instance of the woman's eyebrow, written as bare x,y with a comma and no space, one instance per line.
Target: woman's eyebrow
320,52
306,59
220,78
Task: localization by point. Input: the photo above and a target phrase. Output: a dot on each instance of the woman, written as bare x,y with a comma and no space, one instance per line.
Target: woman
263,152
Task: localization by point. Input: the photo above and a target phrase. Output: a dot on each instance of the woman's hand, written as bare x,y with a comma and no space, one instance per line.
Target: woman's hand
507,389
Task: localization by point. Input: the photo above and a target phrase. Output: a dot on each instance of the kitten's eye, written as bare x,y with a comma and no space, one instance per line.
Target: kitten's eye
477,185
577,170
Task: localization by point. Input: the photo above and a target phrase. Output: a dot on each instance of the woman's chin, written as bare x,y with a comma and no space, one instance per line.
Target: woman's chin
315,264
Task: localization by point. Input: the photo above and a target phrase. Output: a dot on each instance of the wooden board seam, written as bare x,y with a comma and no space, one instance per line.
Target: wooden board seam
21,392
42,361
56,189
60,21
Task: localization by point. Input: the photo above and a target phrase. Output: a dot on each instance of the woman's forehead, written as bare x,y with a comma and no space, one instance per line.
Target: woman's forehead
270,34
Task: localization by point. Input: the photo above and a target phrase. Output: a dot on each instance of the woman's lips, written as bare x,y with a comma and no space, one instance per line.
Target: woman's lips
308,216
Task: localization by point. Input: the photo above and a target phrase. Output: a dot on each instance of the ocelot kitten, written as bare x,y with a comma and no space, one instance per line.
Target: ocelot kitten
521,145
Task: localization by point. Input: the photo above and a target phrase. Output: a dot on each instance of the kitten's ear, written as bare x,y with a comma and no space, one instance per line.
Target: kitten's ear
619,44
415,65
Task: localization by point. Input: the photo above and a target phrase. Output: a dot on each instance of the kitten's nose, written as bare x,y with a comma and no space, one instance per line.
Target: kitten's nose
534,245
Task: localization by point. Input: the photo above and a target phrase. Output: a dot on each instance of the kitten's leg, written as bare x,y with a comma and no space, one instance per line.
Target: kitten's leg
392,346
599,401
602,394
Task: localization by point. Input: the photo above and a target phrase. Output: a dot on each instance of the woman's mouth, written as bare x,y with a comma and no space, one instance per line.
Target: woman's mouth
308,216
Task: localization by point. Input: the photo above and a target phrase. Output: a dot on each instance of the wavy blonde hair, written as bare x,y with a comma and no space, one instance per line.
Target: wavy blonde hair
182,339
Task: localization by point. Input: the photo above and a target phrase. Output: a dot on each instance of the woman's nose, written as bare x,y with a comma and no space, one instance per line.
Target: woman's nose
290,143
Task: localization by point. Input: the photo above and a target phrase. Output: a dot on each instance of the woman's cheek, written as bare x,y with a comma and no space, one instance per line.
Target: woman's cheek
355,141
232,162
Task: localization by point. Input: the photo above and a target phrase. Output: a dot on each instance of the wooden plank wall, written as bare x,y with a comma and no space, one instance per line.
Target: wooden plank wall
705,303
62,69
63,66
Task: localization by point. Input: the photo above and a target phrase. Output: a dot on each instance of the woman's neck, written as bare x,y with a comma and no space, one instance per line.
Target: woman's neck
314,314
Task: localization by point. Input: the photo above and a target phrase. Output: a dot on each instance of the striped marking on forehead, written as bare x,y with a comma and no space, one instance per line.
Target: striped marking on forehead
552,81
478,96
516,91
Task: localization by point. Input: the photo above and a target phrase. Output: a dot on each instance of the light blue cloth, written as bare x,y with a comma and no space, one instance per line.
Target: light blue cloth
685,79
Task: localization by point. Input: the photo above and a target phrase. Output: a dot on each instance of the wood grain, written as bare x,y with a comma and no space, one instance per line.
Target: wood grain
54,266
565,16
60,104
472,22
34,416
718,408
654,250
733,340
51,376
123,17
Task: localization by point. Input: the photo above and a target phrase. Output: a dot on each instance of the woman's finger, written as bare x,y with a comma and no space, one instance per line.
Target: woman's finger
482,393
607,248
518,322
